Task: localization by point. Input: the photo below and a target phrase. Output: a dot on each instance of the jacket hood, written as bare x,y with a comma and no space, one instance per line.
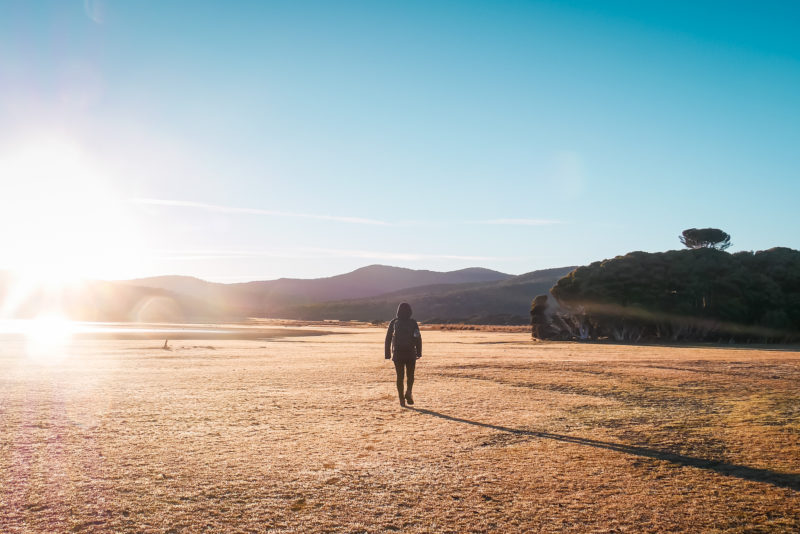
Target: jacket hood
404,310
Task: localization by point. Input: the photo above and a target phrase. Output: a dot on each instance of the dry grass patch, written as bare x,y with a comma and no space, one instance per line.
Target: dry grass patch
305,434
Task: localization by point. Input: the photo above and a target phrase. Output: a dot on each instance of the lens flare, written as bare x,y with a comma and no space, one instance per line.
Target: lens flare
62,218
47,338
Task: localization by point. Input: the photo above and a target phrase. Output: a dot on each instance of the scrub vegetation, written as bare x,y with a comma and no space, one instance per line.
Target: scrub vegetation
702,294
304,434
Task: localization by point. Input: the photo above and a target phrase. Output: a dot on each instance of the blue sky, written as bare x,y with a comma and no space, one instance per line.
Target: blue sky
253,140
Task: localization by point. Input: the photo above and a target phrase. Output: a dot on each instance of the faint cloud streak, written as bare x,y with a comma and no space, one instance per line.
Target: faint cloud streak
255,211
403,256
523,222
312,253
95,10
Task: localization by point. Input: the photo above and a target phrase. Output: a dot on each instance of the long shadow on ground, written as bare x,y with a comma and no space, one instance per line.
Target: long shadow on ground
784,480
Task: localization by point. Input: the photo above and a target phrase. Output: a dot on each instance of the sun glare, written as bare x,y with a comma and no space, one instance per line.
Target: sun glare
60,217
47,338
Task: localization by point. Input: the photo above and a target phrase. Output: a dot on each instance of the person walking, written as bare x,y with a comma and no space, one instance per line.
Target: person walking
404,346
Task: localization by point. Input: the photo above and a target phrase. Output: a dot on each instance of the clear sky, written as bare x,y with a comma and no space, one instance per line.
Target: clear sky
252,140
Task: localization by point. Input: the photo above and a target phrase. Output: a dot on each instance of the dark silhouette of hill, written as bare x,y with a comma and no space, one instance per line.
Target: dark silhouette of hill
500,302
370,281
271,298
467,295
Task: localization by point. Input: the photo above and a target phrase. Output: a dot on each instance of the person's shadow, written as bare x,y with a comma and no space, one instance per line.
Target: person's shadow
783,480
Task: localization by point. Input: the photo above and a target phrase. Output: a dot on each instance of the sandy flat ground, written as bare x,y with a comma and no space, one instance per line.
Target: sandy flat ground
305,434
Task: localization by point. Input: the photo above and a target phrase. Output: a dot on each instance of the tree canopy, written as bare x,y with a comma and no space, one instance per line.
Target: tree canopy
699,294
705,238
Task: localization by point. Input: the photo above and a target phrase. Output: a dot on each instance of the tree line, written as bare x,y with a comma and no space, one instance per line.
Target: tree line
700,294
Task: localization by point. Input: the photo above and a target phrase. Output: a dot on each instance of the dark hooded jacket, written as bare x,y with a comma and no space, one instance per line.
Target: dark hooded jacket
398,354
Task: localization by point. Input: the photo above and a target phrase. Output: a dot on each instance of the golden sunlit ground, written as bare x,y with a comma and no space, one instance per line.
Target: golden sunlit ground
303,434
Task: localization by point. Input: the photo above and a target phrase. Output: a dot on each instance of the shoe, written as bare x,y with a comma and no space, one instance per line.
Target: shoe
409,398
402,402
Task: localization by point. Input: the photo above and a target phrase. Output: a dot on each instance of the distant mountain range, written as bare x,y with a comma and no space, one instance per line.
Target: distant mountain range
96,300
267,297
368,294
505,301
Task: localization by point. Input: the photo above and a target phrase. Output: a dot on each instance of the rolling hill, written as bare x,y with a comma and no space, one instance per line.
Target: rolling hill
505,301
273,297
95,300
369,293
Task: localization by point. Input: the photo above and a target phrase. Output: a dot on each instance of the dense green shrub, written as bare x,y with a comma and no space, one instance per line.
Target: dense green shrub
697,294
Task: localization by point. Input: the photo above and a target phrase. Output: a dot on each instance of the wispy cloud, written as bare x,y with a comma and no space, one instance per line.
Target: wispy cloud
344,219
183,255
255,211
523,222
313,253
403,256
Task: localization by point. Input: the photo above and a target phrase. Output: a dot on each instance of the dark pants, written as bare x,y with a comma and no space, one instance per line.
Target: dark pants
404,368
